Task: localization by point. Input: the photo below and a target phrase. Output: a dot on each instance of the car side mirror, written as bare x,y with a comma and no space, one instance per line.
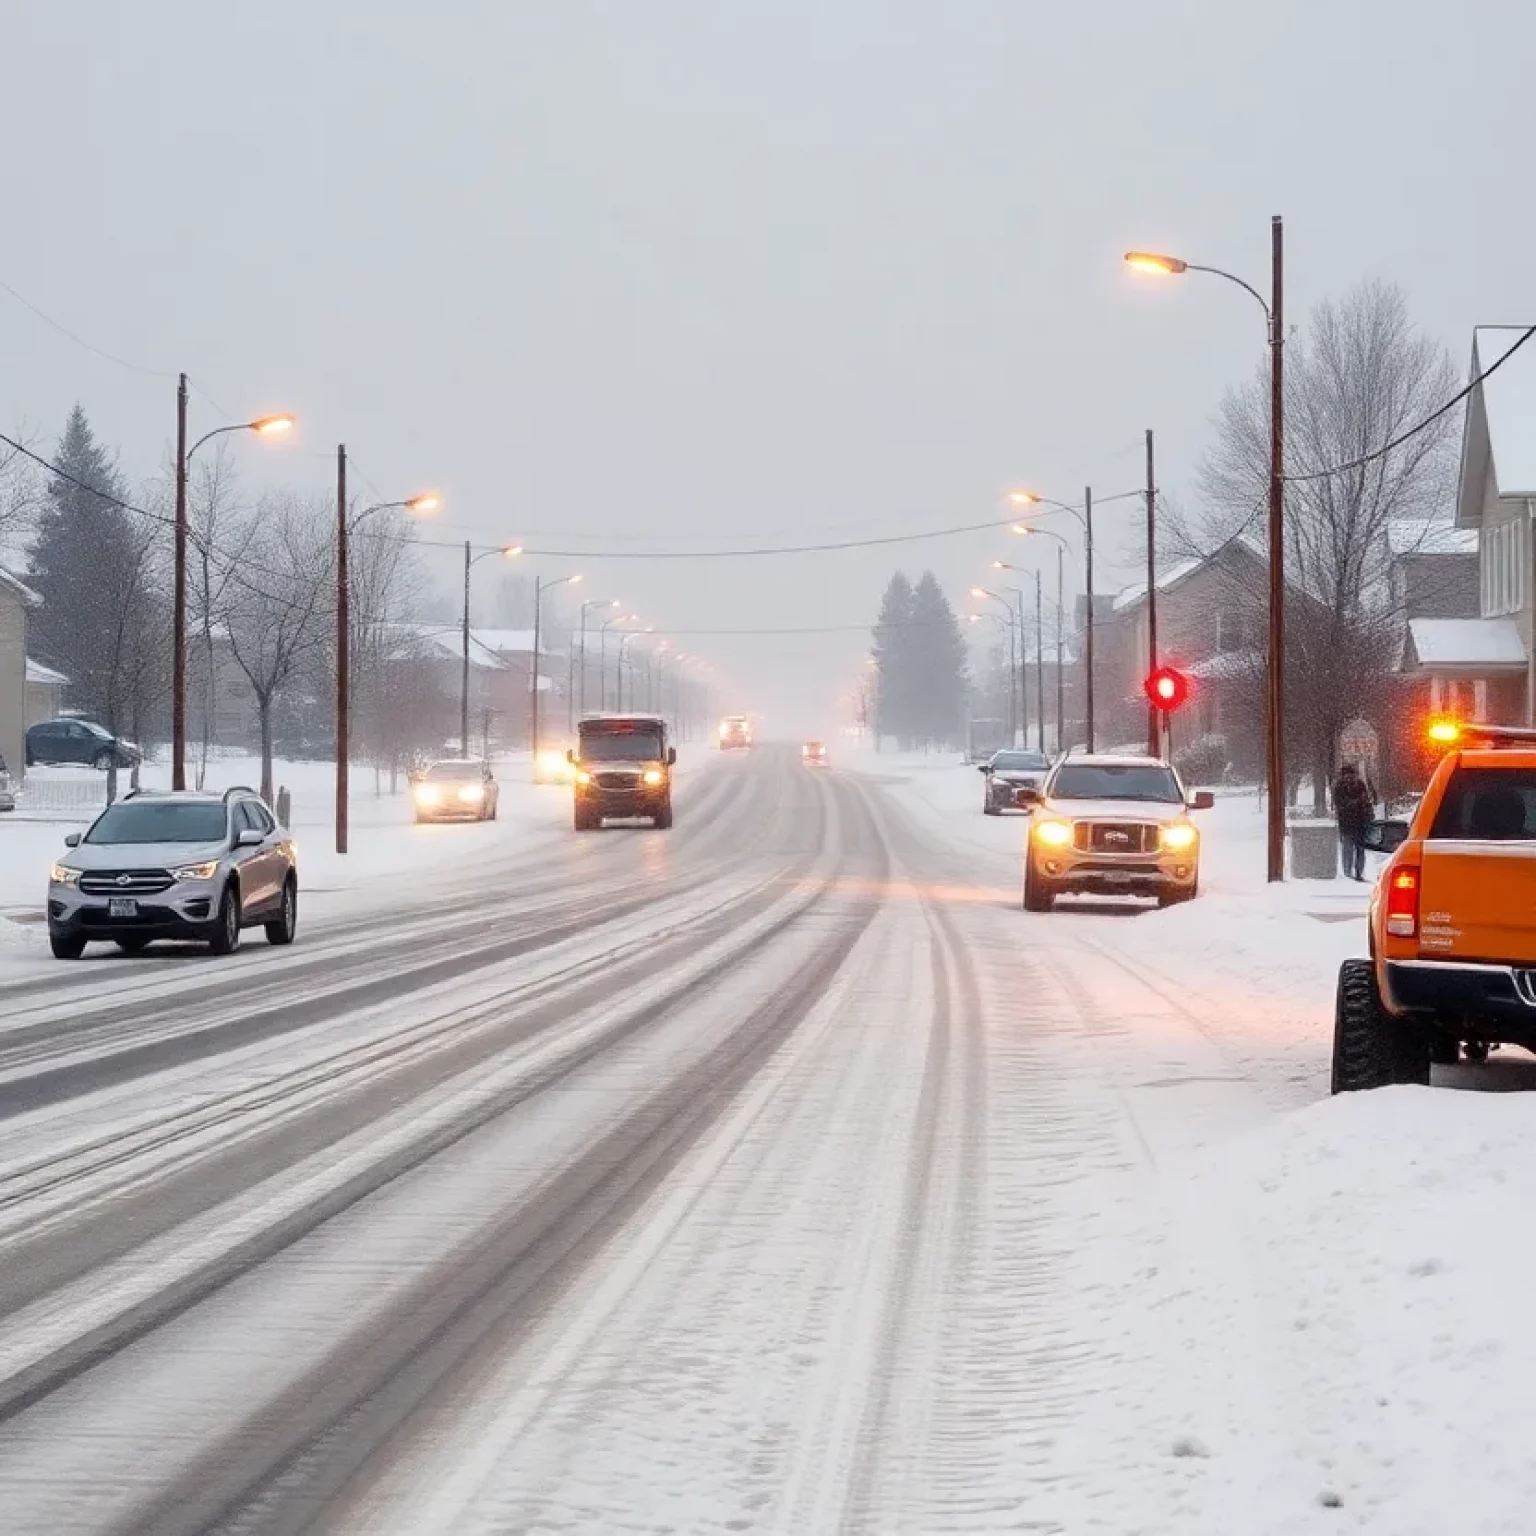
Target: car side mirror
1202,800
1384,836
1026,797
249,838
570,756
73,840
671,757
983,767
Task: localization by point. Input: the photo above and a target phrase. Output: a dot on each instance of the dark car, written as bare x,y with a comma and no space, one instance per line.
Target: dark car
1008,771
622,770
79,741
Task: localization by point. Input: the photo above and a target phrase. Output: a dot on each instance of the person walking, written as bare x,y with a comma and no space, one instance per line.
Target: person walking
1353,806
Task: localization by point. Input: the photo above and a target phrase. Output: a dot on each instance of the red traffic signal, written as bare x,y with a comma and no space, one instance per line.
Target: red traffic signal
1167,688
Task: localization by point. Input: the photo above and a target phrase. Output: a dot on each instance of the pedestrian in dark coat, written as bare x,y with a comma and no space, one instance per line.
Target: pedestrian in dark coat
1353,807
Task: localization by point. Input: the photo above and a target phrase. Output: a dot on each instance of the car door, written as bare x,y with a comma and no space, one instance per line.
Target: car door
254,863
80,745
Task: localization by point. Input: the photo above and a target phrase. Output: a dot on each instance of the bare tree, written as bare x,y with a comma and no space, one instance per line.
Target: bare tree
276,603
21,497
1360,376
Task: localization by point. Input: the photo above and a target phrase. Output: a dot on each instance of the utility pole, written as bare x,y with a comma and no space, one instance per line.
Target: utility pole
179,601
1061,671
1088,562
1154,722
1275,711
464,673
1039,667
533,681
343,659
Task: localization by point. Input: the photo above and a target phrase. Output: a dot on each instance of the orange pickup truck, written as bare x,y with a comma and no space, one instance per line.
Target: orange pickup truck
1452,964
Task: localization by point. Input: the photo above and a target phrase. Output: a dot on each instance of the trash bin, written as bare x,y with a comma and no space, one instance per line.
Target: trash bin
284,805
1314,849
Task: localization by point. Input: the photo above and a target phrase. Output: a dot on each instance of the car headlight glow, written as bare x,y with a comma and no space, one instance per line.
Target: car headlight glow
1054,834
1177,835
582,776
427,794
652,775
471,793
552,765
62,874
196,871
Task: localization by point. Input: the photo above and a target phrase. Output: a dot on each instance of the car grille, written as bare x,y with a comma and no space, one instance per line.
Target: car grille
1115,837
616,780
125,882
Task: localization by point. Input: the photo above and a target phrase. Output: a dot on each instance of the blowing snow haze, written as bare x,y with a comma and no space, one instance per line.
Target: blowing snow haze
683,275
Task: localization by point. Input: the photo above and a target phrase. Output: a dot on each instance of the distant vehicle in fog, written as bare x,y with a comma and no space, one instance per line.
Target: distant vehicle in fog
735,733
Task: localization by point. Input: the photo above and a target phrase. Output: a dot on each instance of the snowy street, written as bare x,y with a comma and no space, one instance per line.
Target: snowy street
775,1173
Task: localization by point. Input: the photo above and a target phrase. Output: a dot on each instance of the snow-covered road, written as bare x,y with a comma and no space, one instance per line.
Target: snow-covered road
776,1173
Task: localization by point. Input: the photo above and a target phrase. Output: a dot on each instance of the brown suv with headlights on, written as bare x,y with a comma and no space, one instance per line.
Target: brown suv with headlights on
622,771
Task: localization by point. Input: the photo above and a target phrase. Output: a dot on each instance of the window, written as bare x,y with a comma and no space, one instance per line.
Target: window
150,821
254,816
1488,805
1503,573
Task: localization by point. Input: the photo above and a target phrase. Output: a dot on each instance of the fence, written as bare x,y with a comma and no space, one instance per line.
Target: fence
78,794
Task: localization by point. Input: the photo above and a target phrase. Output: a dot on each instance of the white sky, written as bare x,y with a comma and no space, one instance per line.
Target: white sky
732,271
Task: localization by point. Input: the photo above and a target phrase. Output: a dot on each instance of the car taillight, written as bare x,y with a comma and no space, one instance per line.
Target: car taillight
1403,903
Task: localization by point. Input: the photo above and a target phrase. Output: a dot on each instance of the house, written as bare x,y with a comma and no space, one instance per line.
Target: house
45,692
17,600
1490,655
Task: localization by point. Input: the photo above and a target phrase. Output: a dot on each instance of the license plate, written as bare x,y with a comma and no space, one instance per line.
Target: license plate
1118,876
122,906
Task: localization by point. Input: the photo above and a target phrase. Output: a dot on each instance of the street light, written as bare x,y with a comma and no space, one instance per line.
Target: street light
595,602
624,641
264,426
506,552
416,505
1274,704
540,587
1015,666
602,654
1002,565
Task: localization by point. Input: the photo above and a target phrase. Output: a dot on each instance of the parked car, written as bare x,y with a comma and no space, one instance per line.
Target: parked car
456,789
7,793
176,865
65,741
1007,771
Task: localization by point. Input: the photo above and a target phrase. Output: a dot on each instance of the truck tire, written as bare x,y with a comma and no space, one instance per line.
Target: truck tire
1039,895
663,818
1371,1049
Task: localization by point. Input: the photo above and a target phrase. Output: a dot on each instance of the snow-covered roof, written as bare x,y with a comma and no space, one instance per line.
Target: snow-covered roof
1128,597
1509,399
38,673
450,642
1227,664
15,584
1414,536
509,642
1467,642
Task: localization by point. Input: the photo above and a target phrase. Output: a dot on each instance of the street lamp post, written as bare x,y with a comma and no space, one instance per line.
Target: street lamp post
540,587
508,552
602,654
264,425
595,602
1061,697
344,526
1015,667
1274,702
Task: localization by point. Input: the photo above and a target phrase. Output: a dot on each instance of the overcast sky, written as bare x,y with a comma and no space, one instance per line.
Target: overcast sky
651,272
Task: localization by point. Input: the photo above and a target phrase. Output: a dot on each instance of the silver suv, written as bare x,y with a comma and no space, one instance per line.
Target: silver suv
175,866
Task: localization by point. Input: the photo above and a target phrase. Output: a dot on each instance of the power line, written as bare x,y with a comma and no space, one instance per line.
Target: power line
80,341
1429,421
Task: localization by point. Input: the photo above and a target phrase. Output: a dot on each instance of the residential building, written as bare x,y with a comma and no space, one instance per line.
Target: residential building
17,600
45,692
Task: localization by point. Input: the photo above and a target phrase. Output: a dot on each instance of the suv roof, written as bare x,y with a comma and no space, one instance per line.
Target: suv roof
648,718
1110,760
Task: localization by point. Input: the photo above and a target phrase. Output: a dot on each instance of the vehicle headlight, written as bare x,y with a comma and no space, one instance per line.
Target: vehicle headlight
472,792
1177,835
1054,834
552,765
652,775
582,776
427,794
62,874
196,871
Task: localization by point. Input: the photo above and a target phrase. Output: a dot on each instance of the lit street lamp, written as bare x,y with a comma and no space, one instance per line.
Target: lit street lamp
1274,704
507,552
345,523
264,426
602,654
1016,722
1002,565
595,602
540,587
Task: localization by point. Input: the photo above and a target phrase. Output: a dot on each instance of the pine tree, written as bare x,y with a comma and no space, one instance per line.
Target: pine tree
892,654
941,679
93,565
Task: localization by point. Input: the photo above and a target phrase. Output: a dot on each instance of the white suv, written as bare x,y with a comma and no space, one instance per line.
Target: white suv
175,866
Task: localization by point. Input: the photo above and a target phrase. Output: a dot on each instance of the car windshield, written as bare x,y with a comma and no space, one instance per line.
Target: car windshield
1020,761
1116,781
456,771
632,746
148,821
1493,805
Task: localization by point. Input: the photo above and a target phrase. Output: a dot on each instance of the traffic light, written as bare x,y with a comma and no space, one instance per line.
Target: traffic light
1167,688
